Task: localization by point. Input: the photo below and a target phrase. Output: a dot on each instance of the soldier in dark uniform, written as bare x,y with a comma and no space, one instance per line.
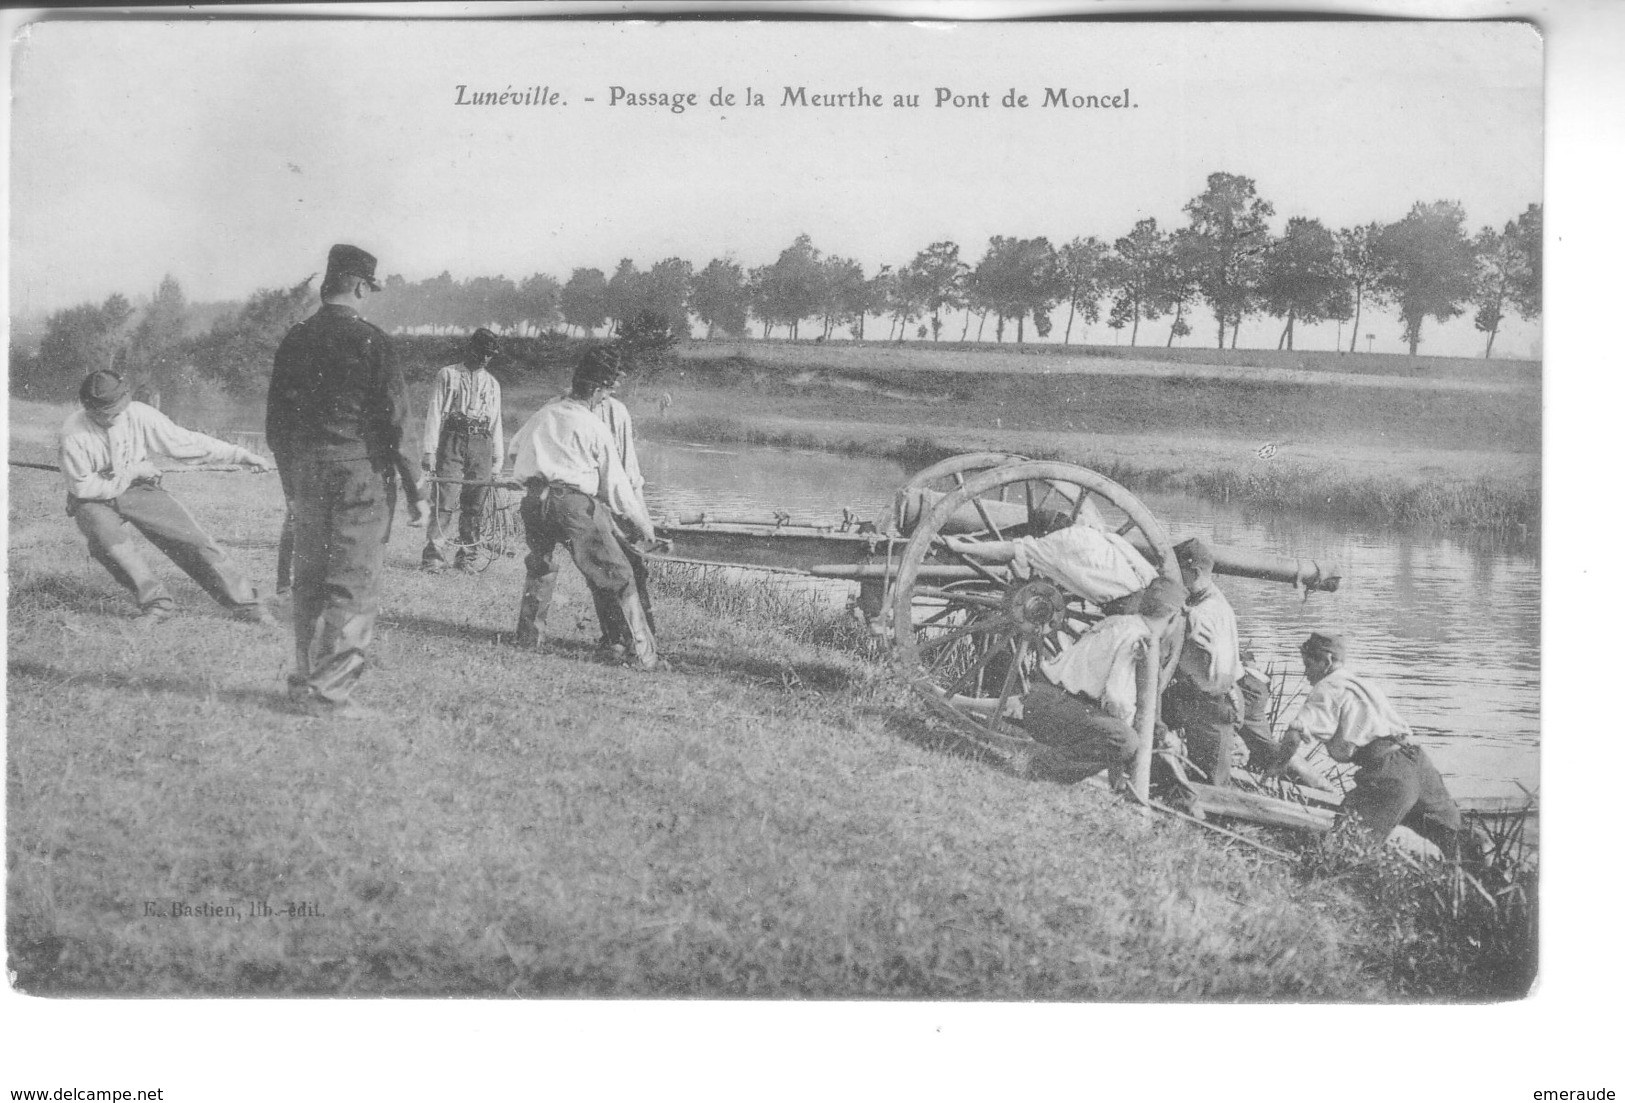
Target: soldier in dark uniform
335,417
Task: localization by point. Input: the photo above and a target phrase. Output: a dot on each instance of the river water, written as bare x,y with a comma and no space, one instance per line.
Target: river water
1449,628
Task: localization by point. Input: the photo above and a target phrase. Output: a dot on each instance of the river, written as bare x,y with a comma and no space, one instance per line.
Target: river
1449,627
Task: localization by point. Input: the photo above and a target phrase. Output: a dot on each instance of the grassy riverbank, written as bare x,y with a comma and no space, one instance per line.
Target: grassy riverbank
768,819
1437,446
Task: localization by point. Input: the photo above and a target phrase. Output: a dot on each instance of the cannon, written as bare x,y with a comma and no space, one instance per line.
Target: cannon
935,582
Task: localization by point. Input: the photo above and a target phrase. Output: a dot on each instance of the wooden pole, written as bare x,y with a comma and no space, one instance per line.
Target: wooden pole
1145,715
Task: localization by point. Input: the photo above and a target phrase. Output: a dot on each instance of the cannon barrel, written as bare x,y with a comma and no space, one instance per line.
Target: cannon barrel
914,503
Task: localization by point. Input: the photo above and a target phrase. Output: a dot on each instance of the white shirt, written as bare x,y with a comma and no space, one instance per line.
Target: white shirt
1096,565
565,443
1100,664
1343,707
1211,656
99,463
474,393
614,414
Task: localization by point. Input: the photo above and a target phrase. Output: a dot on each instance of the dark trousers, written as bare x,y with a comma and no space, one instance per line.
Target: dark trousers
1078,737
612,625
1254,730
463,454
583,524
284,547
150,510
1209,726
341,521
1396,783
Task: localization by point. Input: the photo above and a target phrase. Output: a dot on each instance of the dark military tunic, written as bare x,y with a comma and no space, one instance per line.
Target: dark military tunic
335,418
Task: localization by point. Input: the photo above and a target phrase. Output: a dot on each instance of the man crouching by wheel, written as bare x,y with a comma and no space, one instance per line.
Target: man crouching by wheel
575,485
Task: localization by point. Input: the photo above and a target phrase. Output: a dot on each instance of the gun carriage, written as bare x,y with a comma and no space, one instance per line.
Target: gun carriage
936,583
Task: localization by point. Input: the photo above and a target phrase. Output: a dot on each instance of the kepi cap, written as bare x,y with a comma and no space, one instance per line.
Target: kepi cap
600,366
348,260
102,389
484,341
1324,645
1194,553
1162,598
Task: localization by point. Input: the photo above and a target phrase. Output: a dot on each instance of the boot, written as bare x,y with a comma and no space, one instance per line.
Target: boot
639,639
126,564
533,603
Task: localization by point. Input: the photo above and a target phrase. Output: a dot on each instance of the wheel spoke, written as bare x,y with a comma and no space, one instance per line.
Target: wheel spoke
1010,677
963,597
971,562
1126,527
974,672
1077,506
986,520
987,624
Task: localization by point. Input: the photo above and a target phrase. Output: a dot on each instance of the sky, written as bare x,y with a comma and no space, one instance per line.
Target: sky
232,153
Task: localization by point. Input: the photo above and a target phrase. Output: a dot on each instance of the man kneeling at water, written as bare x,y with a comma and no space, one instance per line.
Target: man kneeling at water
1082,711
1395,782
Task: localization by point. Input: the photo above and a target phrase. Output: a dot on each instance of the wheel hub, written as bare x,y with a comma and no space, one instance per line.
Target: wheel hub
1037,607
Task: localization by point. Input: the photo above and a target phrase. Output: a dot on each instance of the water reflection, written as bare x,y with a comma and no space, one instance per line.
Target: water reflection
1450,628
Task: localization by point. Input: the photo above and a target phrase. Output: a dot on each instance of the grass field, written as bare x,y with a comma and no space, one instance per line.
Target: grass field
769,819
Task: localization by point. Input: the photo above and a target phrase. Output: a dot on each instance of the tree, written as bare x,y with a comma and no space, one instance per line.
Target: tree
1176,282
156,359
1427,265
666,290
584,300
78,341
623,296
1300,279
489,301
439,303
794,286
1018,277
1228,235
645,338
1360,267
238,351
905,295
940,276
841,292
720,297
1133,273
1083,273
1508,273
538,302
1525,289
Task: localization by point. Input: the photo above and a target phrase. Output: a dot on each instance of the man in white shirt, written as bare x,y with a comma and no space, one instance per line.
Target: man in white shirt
1395,783
462,439
575,485
112,484
1198,700
618,420
1083,711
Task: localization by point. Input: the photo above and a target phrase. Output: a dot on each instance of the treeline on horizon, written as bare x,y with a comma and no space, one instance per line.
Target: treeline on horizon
1225,258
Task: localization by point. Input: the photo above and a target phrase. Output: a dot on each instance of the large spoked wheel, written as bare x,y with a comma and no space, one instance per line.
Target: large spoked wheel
967,634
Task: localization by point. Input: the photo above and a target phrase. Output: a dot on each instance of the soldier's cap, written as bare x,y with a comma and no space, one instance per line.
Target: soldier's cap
102,389
1163,597
1324,645
483,341
348,260
600,365
1194,553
